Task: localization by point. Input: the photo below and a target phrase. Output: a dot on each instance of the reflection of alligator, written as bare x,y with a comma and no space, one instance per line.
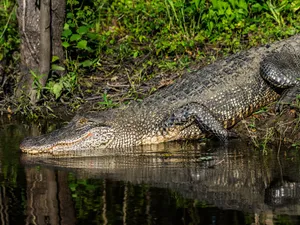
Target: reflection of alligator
283,193
233,179
208,100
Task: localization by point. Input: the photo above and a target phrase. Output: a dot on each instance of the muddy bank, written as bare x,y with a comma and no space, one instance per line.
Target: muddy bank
269,127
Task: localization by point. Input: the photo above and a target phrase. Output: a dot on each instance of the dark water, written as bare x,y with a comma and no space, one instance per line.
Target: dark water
185,183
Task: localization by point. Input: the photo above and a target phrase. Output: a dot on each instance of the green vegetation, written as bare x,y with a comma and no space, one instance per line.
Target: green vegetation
9,42
9,39
128,43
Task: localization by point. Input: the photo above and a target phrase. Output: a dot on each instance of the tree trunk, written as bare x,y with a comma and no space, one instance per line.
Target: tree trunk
58,18
40,28
45,46
28,18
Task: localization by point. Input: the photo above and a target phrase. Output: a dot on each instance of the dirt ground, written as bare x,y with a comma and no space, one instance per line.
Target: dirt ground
269,127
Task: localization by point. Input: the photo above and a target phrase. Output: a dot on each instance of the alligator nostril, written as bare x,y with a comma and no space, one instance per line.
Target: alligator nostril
25,142
22,145
26,139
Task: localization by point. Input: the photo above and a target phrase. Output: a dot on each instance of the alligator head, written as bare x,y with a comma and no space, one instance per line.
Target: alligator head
83,132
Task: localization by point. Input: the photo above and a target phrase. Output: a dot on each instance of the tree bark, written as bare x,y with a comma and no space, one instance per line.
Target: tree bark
45,46
28,18
58,18
40,28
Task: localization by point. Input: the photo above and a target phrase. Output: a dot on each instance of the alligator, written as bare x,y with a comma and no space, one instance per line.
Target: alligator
202,103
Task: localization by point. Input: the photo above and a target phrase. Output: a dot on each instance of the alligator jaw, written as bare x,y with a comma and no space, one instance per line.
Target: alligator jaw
50,148
70,139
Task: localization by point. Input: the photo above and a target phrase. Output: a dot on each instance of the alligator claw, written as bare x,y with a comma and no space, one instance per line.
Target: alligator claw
287,98
232,134
280,105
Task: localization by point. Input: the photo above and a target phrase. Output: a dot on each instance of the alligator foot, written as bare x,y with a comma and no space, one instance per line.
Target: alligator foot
232,134
198,113
287,98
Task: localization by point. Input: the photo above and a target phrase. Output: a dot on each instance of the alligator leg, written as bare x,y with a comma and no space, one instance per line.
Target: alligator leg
282,70
202,117
288,96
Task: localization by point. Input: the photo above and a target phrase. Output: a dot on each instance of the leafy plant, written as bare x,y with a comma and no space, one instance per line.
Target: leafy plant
107,103
278,8
65,83
8,27
37,86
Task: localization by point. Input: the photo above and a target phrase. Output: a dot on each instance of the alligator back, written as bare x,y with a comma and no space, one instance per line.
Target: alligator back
231,88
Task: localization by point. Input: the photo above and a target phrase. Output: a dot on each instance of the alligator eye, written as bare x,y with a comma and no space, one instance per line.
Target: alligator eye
83,121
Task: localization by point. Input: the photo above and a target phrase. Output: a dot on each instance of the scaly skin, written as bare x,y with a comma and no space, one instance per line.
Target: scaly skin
206,101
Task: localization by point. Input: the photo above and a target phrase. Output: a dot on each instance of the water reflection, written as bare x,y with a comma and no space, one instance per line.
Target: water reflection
173,183
230,178
49,199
